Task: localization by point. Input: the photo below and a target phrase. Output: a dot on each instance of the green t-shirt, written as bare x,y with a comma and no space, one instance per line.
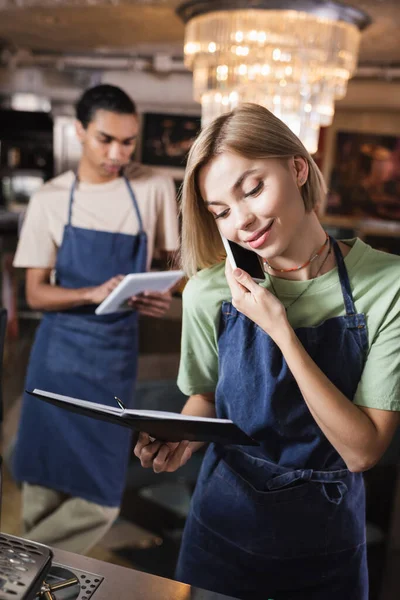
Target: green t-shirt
375,283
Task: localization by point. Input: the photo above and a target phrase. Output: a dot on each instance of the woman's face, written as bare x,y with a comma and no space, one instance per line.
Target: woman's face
256,203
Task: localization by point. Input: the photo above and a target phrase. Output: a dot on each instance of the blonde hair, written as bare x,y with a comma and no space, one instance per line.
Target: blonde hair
253,132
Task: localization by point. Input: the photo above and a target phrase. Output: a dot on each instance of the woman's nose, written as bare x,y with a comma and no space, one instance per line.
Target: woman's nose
244,219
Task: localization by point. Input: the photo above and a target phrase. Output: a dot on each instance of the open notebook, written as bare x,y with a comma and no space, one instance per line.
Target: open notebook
166,426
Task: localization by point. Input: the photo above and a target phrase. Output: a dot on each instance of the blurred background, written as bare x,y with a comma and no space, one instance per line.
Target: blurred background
49,53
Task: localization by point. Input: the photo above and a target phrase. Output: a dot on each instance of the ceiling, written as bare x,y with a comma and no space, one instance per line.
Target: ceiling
148,26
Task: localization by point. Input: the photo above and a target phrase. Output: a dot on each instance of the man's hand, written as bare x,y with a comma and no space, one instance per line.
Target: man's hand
96,295
151,304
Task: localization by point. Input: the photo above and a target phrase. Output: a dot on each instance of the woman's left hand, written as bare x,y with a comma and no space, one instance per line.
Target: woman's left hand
256,302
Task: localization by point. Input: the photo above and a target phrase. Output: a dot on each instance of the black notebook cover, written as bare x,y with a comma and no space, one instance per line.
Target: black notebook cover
171,429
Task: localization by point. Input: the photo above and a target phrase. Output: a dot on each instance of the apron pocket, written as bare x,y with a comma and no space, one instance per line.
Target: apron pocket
286,523
258,492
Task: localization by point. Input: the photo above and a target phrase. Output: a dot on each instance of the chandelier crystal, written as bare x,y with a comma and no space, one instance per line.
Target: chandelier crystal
294,57
12,4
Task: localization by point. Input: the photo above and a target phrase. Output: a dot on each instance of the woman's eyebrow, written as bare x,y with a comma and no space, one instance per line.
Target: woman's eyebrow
240,180
235,187
215,203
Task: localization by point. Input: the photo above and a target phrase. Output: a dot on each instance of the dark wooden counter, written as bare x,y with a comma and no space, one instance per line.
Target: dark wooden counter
121,583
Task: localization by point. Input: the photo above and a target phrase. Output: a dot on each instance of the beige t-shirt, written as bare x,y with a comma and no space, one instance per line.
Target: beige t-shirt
103,207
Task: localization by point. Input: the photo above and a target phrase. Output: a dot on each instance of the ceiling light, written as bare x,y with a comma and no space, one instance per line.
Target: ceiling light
294,57
30,102
8,4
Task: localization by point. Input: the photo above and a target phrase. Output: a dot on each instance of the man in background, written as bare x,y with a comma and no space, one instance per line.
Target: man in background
82,233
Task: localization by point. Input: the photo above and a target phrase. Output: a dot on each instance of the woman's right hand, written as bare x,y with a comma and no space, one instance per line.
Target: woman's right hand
96,295
163,457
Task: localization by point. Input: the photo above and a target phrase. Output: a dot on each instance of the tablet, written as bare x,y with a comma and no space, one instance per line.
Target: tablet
136,283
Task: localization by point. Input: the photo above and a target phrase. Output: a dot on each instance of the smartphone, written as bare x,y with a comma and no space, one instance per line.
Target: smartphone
244,259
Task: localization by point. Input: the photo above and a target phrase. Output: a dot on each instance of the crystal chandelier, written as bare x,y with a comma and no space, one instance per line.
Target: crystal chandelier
294,57
10,4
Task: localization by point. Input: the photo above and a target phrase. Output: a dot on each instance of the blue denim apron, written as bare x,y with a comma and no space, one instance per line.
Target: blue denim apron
78,353
285,520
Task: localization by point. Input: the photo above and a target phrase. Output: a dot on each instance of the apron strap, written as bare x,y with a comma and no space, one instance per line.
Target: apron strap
135,204
131,193
333,486
71,198
344,280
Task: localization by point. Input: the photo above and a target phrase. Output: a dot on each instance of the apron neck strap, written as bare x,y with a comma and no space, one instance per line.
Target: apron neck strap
71,197
344,279
135,204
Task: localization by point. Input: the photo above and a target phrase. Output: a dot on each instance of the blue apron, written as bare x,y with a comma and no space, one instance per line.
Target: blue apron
285,520
83,355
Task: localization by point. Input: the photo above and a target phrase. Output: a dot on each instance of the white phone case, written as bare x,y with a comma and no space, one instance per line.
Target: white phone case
228,252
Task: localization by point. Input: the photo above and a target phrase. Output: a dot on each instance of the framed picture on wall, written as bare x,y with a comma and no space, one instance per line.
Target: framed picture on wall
166,139
365,178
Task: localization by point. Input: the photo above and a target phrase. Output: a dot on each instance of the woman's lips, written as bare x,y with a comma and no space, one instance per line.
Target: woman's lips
262,238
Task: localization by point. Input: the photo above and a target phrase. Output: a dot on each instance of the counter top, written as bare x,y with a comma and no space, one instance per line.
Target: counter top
121,583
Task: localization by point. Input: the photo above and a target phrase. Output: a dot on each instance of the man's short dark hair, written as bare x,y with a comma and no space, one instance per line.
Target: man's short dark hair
103,97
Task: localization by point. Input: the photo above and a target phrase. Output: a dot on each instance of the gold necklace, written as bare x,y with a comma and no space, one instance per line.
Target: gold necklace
308,286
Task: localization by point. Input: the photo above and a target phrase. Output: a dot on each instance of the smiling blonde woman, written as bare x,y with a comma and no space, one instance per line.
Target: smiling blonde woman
307,363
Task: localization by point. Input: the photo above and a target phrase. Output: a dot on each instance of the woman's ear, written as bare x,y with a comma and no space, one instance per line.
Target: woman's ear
301,170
